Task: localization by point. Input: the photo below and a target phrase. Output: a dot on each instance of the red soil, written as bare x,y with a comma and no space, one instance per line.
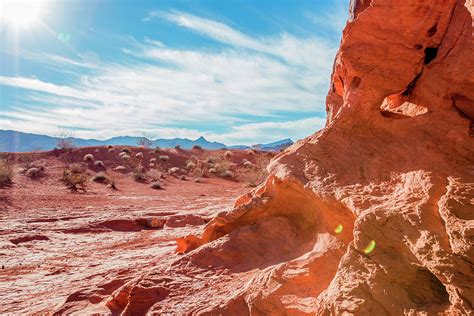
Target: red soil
63,251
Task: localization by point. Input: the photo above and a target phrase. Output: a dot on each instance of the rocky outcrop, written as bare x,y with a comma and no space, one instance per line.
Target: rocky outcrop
373,215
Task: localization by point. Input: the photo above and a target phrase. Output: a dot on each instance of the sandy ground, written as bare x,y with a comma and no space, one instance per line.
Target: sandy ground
56,245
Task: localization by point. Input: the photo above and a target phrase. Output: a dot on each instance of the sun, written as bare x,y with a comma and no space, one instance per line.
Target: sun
21,13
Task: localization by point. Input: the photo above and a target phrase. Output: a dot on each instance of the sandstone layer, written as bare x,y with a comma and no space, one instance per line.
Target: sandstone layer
373,215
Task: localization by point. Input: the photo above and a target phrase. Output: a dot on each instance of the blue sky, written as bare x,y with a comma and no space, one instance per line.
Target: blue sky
238,72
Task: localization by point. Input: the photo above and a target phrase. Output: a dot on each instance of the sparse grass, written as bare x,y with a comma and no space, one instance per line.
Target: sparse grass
89,157
6,172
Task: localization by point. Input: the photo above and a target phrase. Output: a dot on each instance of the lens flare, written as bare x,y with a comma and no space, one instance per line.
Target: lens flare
370,247
339,229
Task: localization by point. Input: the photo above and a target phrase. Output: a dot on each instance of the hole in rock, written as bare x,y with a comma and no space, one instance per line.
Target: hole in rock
355,82
430,54
397,106
418,46
432,31
426,288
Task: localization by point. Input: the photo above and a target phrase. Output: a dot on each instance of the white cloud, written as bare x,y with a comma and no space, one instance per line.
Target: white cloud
168,88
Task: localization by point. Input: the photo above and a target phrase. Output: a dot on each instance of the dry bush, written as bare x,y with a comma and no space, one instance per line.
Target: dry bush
156,185
138,173
125,157
151,165
89,157
177,147
153,160
227,174
110,146
164,158
6,172
182,177
126,150
197,147
111,150
100,177
64,141
99,164
211,159
139,155
212,170
228,154
75,178
248,164
35,172
173,170
120,169
198,180
190,165
145,142
154,175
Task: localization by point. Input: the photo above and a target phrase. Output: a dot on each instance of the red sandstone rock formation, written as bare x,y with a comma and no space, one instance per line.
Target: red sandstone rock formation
373,215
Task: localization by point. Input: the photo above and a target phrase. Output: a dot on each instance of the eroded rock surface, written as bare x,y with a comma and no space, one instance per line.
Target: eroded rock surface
373,215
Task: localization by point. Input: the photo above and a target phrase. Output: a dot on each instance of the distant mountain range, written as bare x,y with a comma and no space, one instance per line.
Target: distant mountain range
14,141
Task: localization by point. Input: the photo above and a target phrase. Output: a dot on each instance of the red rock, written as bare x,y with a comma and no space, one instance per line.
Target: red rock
400,185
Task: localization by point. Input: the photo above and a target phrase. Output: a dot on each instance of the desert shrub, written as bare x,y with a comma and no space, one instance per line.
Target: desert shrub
125,157
248,164
250,151
182,177
197,147
164,158
120,169
157,149
198,180
138,174
173,170
111,150
212,170
190,165
74,179
227,174
228,154
89,157
126,150
151,165
100,177
153,160
154,175
6,172
34,172
64,141
99,164
211,159
156,185
177,147
110,146
139,155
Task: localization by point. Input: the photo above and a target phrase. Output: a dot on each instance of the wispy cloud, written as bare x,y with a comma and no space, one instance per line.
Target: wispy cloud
160,89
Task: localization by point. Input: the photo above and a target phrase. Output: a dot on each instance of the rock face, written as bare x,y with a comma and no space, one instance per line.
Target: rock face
373,215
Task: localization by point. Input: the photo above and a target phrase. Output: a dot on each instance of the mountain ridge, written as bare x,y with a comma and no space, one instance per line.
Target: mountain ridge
16,141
